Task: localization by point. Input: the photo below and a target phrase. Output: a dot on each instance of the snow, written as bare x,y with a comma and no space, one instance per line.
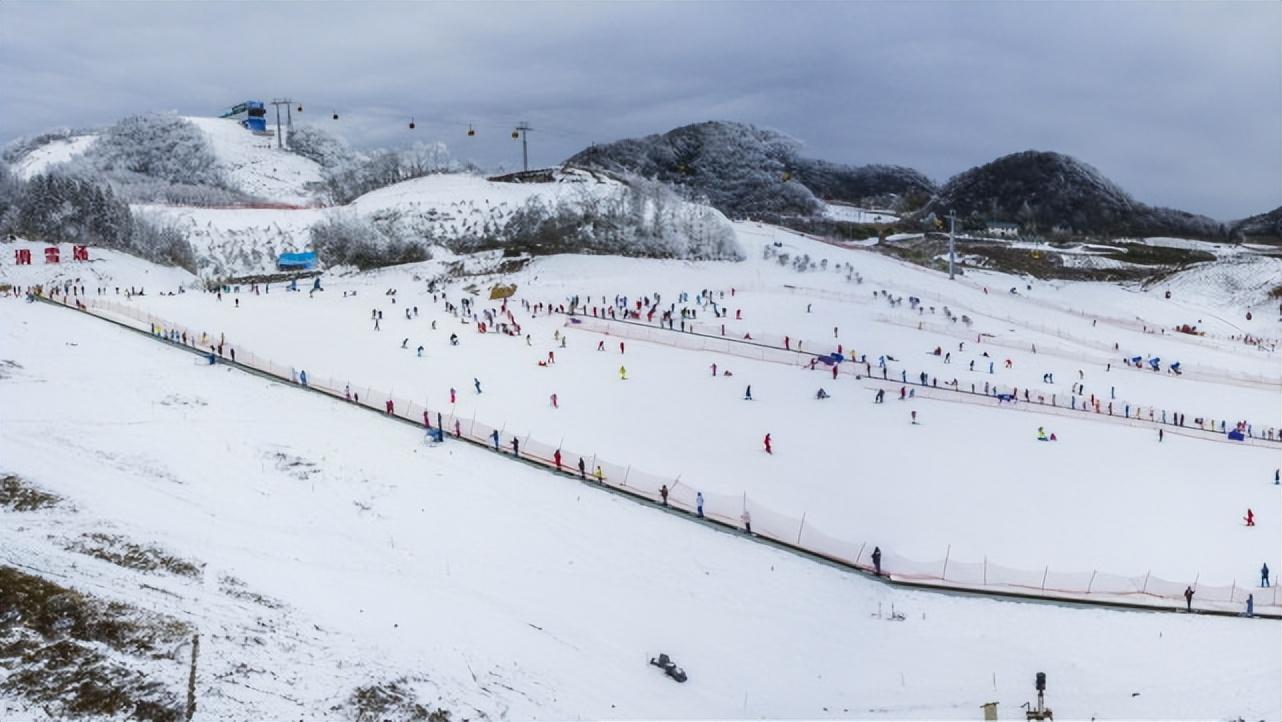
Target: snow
504,591
257,166
58,151
236,241
331,336
851,214
105,267
516,593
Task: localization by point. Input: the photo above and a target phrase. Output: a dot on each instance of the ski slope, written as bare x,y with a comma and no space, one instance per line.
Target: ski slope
58,151
257,166
498,590
851,467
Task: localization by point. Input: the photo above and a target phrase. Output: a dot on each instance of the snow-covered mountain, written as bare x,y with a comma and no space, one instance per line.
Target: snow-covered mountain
240,201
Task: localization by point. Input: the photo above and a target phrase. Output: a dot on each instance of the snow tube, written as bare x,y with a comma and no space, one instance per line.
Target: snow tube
1236,435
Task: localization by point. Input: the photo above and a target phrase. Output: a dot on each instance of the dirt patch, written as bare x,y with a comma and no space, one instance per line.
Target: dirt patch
295,466
389,700
124,553
180,400
77,656
237,589
7,367
19,495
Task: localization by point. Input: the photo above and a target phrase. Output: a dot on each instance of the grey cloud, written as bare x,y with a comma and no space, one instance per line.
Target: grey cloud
1181,103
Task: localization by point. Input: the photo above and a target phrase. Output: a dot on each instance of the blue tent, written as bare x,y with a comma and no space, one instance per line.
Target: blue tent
296,261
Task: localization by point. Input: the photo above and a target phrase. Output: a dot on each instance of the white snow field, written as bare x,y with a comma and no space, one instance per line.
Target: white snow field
1091,502
257,166
496,589
52,153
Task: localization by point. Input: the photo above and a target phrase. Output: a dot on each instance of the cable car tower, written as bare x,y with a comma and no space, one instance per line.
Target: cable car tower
520,132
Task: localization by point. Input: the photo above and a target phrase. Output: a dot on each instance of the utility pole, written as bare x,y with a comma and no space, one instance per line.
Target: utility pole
523,128
952,242
289,105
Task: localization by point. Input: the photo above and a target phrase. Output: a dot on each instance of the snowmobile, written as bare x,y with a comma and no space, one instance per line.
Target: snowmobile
669,668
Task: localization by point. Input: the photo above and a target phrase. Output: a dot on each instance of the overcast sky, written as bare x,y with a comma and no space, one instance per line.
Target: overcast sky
1180,103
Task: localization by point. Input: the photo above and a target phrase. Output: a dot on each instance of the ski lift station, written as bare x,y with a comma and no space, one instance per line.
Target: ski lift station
252,115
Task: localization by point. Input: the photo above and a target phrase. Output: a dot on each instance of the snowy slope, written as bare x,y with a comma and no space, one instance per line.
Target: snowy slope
236,241
868,496
1233,283
851,214
52,153
501,591
257,166
105,268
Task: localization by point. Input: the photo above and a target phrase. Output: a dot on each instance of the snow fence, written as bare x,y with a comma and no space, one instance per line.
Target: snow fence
797,352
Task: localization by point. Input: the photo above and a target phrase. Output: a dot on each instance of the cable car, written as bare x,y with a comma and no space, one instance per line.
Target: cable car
471,132
411,124
335,115
516,135
300,108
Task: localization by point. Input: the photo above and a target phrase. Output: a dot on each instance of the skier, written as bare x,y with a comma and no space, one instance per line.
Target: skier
876,560
903,392
347,391
477,383
405,342
698,504
623,373
1264,575
1250,605
663,494
880,397
556,459
747,394
1250,518
554,402
599,475
583,469
302,376
914,418
391,407
821,394
714,369
1160,435
746,518
516,447
766,441
420,352
620,347
600,346
834,372
494,436
452,396
1188,598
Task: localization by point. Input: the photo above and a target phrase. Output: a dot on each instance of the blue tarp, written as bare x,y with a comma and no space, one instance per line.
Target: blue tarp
1236,435
296,260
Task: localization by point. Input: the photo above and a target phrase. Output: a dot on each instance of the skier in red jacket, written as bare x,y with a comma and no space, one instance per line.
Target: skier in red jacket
767,443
